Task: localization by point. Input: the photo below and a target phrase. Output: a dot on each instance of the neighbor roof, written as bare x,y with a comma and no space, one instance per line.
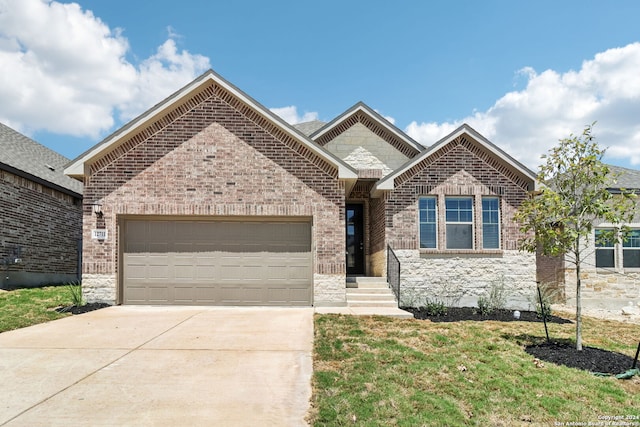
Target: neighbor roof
627,178
77,167
24,156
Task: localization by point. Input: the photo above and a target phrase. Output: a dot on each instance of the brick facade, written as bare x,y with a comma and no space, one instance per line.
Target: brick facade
41,227
215,160
460,168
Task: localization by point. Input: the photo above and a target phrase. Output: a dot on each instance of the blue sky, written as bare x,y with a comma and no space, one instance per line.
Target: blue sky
524,74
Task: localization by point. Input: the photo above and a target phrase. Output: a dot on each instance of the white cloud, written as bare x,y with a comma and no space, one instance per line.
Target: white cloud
553,105
78,69
290,115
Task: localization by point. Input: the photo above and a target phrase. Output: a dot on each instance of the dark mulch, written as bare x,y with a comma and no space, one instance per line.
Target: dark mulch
589,359
458,314
79,309
561,353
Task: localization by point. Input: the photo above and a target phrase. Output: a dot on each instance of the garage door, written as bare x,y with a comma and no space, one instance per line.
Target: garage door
199,262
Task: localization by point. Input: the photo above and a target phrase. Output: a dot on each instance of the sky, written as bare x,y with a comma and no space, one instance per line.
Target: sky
523,73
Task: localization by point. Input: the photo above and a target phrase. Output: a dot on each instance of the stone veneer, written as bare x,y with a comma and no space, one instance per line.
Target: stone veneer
609,290
459,280
362,149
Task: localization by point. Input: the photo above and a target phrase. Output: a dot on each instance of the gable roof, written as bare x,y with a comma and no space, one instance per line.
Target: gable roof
25,157
361,113
388,182
149,118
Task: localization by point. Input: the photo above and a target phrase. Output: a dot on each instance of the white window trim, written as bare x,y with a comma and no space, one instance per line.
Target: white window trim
499,199
435,198
472,223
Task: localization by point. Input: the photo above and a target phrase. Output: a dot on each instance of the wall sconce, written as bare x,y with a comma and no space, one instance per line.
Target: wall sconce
97,209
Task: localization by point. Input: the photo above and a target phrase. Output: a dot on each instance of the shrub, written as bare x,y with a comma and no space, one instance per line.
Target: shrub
434,308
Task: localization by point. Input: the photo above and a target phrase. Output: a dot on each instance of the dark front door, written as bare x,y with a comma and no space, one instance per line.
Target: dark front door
355,239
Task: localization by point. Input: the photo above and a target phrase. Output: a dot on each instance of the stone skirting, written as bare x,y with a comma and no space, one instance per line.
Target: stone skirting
329,290
99,288
459,280
609,290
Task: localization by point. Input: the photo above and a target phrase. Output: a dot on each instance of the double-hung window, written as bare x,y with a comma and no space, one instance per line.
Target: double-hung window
428,223
631,250
490,223
605,248
459,222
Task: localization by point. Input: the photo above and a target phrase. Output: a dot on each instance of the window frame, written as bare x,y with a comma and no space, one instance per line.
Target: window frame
448,222
498,223
626,247
600,247
435,222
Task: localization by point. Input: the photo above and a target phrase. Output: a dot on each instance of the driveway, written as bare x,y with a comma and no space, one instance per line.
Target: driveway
133,366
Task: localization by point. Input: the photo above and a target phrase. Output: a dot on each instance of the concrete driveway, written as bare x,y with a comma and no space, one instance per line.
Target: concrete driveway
133,366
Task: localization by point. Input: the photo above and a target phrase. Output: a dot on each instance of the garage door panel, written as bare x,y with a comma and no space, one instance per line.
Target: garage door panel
217,262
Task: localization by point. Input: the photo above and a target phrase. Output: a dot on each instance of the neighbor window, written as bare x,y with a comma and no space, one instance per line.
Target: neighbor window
428,228
490,222
459,222
631,250
605,248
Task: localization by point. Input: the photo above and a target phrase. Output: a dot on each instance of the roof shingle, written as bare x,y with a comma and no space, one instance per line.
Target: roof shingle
26,155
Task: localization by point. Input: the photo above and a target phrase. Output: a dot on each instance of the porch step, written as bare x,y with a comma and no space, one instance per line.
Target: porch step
370,292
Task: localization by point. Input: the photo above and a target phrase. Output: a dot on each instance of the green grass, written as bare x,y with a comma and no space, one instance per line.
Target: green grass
25,307
373,371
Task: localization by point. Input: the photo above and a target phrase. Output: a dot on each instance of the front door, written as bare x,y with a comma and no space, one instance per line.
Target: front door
355,239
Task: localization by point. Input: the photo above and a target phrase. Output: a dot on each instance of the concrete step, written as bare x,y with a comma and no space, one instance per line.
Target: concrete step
370,297
389,304
374,290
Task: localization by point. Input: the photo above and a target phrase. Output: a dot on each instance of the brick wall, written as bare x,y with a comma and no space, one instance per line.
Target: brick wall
460,277
45,224
460,168
214,159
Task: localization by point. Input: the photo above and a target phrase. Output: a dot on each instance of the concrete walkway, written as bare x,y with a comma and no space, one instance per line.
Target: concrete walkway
137,366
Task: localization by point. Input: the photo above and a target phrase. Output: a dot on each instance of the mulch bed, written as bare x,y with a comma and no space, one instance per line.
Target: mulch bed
560,353
79,309
458,314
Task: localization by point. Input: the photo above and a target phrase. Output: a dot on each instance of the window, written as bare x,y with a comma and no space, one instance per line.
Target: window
605,249
459,222
428,227
490,222
631,250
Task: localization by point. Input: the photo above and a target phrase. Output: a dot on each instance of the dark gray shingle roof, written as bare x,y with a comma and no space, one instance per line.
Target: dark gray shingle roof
627,178
308,128
29,157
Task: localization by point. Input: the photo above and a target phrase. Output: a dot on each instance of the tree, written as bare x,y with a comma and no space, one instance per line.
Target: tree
558,219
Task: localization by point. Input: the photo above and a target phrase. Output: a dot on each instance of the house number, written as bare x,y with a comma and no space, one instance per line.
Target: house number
100,234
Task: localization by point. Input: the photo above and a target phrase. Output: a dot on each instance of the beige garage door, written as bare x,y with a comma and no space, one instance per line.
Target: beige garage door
199,262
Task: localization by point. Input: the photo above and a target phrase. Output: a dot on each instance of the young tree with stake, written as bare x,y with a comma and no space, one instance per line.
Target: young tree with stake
558,220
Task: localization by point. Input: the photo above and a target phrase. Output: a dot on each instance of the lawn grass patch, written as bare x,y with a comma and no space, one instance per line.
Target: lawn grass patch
409,372
20,308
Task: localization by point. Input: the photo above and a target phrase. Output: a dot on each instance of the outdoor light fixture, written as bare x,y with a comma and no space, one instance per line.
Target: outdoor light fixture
97,209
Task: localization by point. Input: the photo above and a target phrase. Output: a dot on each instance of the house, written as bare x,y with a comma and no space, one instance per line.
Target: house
610,271
40,214
210,198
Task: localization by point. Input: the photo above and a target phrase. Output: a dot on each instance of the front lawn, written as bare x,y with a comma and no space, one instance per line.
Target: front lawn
25,307
378,371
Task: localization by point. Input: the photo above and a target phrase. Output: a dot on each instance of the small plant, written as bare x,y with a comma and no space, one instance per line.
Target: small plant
434,308
484,306
75,291
495,300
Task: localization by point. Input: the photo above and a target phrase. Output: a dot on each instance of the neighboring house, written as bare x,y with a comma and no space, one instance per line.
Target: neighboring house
210,198
610,271
40,214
